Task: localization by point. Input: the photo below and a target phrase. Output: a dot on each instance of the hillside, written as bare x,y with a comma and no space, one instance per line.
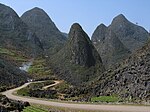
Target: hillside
17,45
45,29
78,61
10,75
130,80
14,34
131,35
110,48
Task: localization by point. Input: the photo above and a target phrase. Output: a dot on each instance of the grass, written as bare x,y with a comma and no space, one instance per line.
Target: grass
6,51
34,109
12,55
105,99
39,70
44,108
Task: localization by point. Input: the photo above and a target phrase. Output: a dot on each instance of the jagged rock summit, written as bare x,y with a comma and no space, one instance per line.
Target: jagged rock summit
110,48
82,50
117,41
99,33
80,56
40,23
131,35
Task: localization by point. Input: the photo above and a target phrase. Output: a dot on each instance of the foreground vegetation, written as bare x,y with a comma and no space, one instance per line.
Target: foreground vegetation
105,99
43,108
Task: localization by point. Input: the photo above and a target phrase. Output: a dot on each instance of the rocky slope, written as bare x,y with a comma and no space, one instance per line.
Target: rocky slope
131,35
8,105
78,61
10,75
14,34
40,23
17,44
129,80
110,48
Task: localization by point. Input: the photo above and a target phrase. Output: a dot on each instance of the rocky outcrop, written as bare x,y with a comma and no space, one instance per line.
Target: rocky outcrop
80,62
130,80
131,35
14,34
8,105
110,48
45,29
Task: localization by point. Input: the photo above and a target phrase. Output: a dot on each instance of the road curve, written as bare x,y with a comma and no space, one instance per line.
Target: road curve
56,82
116,108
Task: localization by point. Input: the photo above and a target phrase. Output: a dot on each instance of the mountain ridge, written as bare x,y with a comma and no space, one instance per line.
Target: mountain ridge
45,29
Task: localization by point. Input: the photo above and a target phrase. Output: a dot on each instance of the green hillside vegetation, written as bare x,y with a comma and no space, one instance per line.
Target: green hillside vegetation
34,109
40,71
105,99
12,55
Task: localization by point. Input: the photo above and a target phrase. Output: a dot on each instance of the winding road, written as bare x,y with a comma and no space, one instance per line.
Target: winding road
56,82
110,108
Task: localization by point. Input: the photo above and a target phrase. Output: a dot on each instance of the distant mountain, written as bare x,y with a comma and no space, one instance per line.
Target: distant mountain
78,61
110,48
115,42
14,33
129,80
45,29
131,35
65,34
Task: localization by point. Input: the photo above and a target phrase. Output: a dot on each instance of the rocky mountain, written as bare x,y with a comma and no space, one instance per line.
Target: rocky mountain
115,42
130,80
110,48
131,35
45,29
78,61
14,34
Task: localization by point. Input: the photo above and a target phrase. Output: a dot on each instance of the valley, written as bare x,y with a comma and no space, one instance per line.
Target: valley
43,67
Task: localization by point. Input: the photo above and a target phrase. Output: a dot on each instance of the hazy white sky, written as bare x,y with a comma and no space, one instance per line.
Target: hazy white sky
89,13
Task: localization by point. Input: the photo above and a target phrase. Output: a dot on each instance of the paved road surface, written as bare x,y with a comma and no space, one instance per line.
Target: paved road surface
114,108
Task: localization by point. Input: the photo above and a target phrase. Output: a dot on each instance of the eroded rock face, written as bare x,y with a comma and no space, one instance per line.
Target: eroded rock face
82,51
110,48
15,34
40,23
80,62
131,35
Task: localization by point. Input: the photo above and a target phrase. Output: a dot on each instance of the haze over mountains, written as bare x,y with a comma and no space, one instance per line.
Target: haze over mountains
77,59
